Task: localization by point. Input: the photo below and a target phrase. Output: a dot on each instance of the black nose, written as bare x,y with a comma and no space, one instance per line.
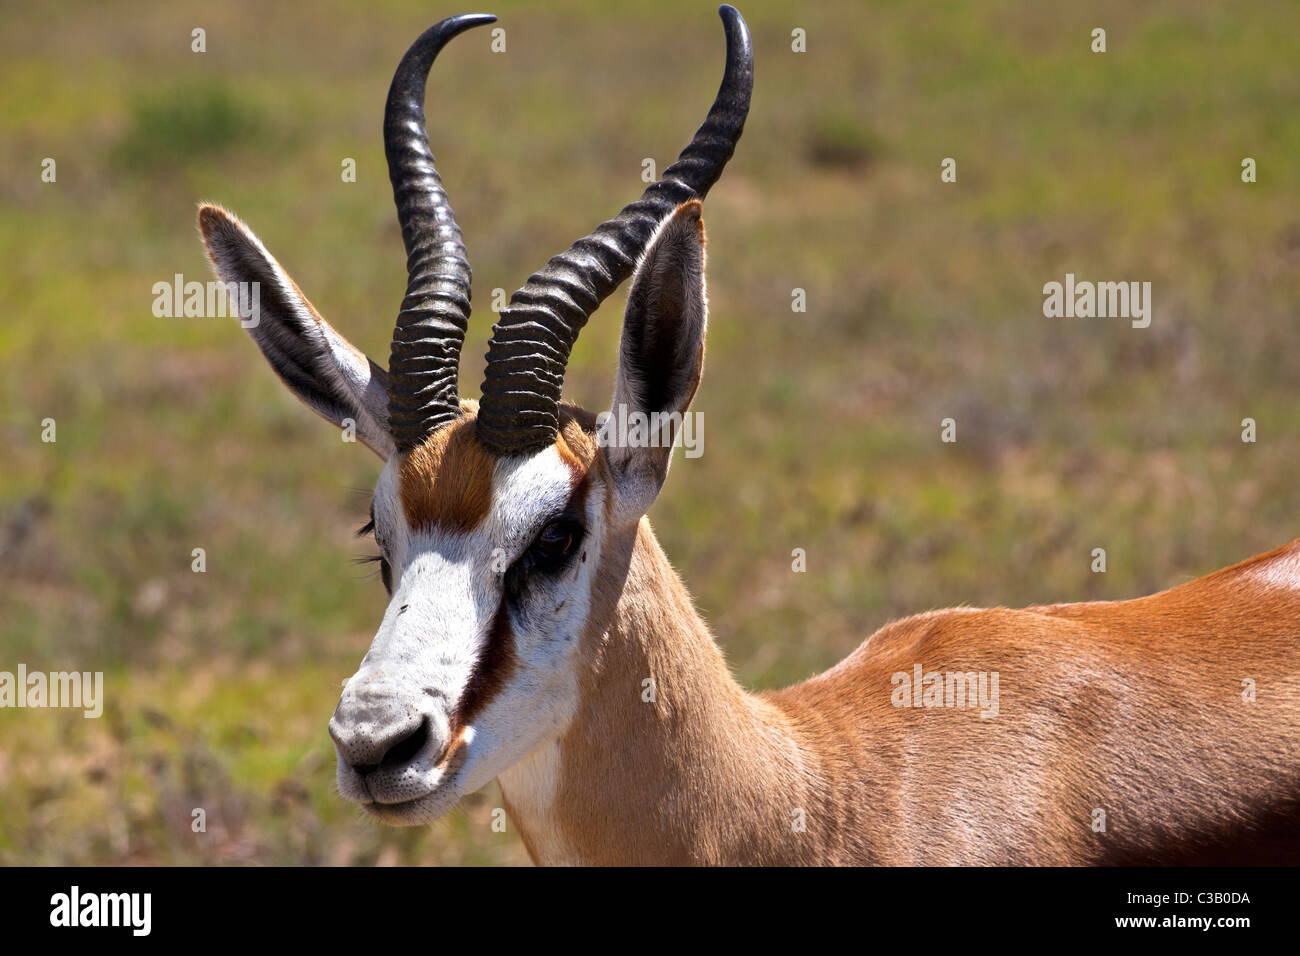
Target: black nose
371,748
400,750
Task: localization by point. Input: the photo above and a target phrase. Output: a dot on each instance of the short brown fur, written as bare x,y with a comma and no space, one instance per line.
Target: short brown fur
446,483
1131,707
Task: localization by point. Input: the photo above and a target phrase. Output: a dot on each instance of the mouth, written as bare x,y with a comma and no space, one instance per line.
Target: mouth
387,797
416,811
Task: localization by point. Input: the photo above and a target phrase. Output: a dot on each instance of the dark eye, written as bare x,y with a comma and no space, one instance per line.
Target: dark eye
385,572
556,542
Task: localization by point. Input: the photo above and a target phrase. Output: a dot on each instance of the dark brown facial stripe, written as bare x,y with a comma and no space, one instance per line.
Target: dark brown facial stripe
497,659
490,671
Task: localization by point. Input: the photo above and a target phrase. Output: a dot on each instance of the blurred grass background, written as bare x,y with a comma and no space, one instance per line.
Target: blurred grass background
821,429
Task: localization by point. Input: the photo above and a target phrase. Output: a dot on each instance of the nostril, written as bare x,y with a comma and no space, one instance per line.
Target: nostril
367,746
405,750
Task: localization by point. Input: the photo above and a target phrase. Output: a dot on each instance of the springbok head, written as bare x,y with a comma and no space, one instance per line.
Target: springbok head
492,517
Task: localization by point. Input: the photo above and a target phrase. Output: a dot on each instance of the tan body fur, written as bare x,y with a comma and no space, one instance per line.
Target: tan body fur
536,634
1133,707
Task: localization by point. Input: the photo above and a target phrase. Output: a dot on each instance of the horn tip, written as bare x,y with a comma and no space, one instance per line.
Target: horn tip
734,23
453,26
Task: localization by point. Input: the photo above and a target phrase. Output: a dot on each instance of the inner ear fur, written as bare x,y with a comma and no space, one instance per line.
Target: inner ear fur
319,366
661,358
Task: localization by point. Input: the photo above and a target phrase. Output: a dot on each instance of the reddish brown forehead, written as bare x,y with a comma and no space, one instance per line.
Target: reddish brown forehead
446,483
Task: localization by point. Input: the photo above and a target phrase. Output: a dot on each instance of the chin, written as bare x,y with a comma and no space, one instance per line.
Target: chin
435,791
413,813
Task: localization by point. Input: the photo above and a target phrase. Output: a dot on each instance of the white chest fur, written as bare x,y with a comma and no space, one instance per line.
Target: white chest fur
530,788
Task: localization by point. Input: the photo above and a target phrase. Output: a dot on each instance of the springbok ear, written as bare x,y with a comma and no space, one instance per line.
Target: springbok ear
660,361
330,376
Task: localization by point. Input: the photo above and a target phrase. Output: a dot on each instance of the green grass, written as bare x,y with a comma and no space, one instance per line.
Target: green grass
821,429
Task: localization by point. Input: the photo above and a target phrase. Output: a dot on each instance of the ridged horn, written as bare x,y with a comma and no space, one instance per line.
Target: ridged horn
430,329
531,341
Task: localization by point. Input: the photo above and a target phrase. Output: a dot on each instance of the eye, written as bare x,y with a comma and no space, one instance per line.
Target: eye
385,572
554,545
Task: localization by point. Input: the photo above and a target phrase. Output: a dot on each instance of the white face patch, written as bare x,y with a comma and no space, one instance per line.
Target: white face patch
472,620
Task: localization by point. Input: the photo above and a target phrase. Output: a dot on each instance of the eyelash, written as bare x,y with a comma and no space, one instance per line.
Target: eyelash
385,572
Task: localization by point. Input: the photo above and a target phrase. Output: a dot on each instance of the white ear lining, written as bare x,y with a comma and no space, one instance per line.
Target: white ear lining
325,371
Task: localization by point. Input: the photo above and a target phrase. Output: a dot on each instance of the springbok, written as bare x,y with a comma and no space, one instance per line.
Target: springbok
536,633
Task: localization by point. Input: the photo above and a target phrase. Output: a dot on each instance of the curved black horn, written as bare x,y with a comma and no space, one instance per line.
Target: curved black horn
532,339
425,355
